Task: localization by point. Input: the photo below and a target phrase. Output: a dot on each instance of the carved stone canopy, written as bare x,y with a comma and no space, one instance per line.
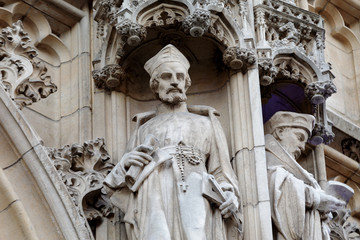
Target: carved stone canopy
21,75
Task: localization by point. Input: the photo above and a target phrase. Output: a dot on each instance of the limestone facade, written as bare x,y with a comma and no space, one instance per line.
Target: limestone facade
72,77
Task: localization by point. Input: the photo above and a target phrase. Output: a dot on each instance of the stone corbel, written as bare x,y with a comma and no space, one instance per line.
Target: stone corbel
83,169
132,33
109,77
351,148
239,58
22,77
197,23
318,92
321,134
267,72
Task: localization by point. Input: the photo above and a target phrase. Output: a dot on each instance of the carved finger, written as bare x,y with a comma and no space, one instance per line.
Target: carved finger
139,159
227,215
225,211
136,163
144,148
145,156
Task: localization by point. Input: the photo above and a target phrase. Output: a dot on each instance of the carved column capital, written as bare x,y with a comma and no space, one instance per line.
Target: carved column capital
130,32
239,58
22,77
109,77
351,148
267,72
197,23
83,169
318,92
321,134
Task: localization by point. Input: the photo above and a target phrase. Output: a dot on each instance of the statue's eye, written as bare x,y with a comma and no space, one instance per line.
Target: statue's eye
166,76
180,76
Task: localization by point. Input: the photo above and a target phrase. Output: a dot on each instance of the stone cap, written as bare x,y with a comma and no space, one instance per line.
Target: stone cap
290,119
167,54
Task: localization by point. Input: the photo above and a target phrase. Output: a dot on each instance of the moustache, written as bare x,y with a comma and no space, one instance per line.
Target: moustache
174,89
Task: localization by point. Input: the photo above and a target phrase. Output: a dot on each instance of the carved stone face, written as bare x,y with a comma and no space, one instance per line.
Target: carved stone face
171,83
293,140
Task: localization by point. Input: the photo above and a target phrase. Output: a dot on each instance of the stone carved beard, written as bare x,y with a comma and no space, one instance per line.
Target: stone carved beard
172,96
170,83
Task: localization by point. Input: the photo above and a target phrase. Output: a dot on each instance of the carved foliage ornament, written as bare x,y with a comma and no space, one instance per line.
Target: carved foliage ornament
130,32
351,148
83,169
321,134
197,23
23,78
318,92
342,230
109,77
239,58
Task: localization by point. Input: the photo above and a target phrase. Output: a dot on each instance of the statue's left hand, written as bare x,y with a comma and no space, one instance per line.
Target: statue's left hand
230,205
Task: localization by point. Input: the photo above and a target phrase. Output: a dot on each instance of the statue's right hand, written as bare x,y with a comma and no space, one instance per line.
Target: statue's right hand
140,156
329,203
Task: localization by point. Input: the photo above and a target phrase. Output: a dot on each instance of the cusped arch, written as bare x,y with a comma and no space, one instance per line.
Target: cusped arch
51,48
337,24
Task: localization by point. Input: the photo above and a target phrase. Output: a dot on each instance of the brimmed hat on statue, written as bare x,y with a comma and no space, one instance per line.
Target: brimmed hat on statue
290,119
168,54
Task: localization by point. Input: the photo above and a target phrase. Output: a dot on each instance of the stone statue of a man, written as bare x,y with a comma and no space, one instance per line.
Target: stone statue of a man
298,205
159,183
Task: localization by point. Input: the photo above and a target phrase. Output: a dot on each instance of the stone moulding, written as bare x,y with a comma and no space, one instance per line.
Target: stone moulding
24,79
83,169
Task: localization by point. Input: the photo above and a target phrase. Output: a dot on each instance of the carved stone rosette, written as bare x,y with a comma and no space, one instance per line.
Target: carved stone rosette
197,23
109,77
318,92
239,58
83,169
351,148
130,32
24,79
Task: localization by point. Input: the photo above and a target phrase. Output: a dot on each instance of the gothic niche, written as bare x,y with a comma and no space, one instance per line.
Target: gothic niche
83,169
286,93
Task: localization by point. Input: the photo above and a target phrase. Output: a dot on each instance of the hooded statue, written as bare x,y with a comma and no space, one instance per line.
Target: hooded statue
159,183
298,205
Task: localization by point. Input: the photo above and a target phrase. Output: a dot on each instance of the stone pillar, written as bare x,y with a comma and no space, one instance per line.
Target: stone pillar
249,161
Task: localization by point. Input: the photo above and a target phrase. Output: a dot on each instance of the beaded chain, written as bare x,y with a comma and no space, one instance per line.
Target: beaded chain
180,160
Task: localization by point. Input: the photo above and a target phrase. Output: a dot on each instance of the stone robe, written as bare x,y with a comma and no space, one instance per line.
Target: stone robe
292,195
160,209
